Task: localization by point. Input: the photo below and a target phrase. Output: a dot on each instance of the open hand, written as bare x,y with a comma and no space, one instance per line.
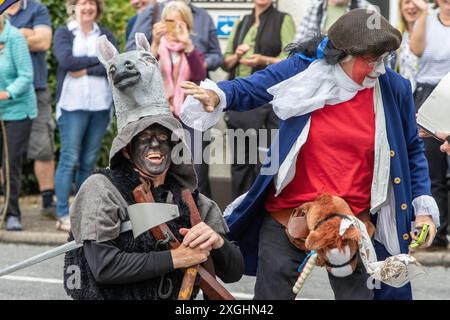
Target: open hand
208,98
203,236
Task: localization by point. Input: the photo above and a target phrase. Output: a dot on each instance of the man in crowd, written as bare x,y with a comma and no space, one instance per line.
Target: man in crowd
139,6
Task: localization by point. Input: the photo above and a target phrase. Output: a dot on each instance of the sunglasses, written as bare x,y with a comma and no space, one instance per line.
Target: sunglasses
385,59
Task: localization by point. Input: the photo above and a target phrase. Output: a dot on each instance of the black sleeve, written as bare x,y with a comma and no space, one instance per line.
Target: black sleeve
109,265
228,262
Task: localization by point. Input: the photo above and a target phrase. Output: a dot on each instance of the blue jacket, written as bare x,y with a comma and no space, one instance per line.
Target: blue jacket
407,163
62,49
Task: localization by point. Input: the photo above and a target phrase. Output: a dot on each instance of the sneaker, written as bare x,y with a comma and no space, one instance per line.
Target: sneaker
63,224
49,212
13,224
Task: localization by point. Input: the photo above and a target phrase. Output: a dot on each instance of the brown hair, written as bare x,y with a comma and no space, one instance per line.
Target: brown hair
70,4
402,23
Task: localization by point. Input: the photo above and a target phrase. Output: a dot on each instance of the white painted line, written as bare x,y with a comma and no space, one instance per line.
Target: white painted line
237,295
32,279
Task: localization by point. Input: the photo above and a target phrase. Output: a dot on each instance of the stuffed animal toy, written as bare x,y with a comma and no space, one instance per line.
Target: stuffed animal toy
336,238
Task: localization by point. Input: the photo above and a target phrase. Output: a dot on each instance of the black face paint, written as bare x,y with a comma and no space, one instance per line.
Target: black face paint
151,150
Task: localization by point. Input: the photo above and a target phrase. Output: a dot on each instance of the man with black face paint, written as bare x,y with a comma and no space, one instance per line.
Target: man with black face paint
113,263
150,151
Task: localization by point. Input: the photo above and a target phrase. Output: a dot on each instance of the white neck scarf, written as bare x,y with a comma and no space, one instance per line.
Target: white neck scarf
319,85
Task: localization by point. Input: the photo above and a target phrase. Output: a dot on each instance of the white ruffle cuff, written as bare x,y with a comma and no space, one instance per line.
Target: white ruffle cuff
427,206
194,116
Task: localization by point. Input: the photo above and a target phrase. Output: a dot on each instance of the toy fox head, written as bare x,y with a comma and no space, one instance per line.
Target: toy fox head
136,81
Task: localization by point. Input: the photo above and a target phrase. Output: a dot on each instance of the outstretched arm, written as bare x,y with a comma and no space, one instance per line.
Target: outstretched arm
245,94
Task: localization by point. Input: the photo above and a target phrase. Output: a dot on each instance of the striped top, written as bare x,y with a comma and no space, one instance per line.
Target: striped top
16,76
435,61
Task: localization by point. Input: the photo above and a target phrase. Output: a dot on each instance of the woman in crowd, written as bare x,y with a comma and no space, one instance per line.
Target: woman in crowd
83,99
17,109
407,62
430,42
256,42
178,58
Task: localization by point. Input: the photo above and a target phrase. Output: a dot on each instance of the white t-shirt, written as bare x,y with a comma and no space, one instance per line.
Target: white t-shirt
435,61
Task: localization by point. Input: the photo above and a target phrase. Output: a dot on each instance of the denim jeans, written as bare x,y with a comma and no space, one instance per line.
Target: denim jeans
81,135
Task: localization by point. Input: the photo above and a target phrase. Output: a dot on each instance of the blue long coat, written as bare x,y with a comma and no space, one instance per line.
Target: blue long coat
407,163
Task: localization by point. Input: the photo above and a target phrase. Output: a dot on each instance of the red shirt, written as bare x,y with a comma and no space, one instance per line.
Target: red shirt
337,158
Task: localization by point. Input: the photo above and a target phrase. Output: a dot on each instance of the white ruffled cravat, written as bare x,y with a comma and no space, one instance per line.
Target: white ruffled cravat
319,85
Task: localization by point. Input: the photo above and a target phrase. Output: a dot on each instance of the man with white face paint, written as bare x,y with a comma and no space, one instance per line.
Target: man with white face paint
348,129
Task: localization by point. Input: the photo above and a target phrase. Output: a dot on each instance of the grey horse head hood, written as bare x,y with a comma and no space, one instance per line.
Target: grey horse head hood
139,102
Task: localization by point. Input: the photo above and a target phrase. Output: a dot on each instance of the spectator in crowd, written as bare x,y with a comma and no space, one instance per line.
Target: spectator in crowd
429,41
204,35
139,6
17,110
173,47
321,14
33,20
407,62
256,42
84,99
181,60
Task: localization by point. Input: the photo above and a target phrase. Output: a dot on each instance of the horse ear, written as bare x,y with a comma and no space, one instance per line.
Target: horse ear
313,241
105,50
142,42
352,234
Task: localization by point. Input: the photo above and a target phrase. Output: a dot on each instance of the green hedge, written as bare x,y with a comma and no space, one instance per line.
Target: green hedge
115,17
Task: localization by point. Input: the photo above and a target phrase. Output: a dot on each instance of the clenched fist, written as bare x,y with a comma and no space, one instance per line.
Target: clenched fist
418,223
